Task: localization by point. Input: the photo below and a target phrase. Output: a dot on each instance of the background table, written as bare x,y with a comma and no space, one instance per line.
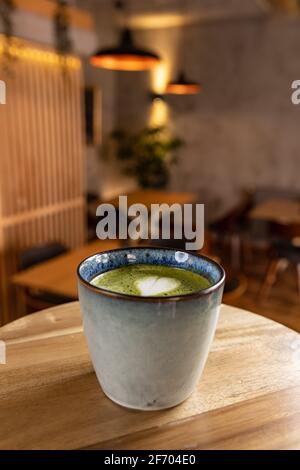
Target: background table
248,397
58,276
282,211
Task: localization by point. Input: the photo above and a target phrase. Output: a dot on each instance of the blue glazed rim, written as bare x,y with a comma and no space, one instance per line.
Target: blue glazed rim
194,295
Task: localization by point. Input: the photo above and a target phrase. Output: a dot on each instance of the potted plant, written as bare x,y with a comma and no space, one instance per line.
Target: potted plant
147,155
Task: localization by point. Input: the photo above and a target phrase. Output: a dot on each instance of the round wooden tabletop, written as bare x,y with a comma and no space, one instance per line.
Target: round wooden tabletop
248,396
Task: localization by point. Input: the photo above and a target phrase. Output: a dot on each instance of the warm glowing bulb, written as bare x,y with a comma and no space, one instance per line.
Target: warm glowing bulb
48,57
159,113
159,78
156,21
38,55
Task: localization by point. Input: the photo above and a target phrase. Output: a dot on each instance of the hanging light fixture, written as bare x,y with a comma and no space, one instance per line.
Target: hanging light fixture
126,55
183,86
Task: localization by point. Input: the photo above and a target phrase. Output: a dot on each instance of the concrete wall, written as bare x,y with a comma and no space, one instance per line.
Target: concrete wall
242,131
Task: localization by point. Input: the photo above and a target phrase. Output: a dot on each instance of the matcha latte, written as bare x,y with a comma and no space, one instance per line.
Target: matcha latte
148,280
149,316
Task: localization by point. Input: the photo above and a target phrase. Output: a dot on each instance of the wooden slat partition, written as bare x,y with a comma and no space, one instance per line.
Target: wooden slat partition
41,161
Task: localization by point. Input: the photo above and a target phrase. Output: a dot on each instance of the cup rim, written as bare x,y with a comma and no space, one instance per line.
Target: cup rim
156,299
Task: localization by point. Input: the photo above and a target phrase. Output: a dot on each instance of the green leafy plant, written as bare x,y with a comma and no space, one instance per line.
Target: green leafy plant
147,155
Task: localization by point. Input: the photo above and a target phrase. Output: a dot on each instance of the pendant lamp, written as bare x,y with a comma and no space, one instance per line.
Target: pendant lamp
126,55
183,86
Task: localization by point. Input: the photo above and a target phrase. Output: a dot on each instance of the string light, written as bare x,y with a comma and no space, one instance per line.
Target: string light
24,52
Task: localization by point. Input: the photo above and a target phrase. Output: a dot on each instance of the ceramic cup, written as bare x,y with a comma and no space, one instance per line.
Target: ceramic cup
149,352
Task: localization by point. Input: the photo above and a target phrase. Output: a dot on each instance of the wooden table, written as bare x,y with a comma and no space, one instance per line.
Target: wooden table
248,397
282,211
58,276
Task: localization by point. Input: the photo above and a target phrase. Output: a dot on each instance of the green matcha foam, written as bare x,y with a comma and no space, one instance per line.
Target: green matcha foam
151,280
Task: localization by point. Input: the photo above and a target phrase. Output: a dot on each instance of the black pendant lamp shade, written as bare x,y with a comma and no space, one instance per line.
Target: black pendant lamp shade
125,56
183,86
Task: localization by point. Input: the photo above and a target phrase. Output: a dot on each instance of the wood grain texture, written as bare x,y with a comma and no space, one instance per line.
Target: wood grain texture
58,276
246,426
248,396
41,165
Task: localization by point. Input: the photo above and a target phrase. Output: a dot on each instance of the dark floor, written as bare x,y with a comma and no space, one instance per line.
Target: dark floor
282,305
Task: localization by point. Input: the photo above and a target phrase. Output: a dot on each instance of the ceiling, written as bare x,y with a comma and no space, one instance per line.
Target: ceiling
170,13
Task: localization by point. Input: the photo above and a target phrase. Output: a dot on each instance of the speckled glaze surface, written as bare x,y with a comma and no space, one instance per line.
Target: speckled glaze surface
149,352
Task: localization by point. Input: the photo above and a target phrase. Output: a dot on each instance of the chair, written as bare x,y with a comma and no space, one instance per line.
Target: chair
235,287
40,253
91,218
285,250
231,228
34,298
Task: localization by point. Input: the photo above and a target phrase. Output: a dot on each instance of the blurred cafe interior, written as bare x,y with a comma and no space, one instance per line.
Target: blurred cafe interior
165,101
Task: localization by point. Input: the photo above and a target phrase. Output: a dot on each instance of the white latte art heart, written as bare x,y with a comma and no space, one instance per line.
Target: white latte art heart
155,285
